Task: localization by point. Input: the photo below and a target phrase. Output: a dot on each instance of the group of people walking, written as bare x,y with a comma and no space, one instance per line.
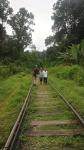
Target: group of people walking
40,75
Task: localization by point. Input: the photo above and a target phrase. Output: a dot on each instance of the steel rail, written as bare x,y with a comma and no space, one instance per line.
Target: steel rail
14,132
74,111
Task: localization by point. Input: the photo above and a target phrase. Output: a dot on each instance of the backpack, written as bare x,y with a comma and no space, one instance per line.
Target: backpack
36,71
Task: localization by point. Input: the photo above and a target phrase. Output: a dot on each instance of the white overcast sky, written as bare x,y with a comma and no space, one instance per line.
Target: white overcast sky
42,10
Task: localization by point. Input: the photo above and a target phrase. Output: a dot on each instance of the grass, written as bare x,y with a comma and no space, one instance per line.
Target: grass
53,117
13,93
58,127
54,142
68,88
72,92
75,96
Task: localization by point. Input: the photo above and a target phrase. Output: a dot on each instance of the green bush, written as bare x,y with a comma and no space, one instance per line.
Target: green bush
16,69
6,61
68,72
79,78
53,64
73,72
4,71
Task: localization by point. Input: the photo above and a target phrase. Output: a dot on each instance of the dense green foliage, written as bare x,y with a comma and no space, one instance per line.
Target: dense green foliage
26,63
5,13
21,23
67,39
68,17
67,28
74,72
67,49
73,54
13,57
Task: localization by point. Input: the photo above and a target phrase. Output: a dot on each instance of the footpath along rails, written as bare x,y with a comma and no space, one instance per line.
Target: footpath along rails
51,120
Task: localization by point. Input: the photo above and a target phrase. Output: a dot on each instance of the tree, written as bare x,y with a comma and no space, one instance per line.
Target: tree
73,54
11,48
21,25
68,17
33,47
5,12
49,40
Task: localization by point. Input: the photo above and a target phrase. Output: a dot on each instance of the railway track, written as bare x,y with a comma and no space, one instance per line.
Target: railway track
50,122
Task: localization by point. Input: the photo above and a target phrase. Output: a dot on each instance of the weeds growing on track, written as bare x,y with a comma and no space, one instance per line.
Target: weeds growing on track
34,112
13,92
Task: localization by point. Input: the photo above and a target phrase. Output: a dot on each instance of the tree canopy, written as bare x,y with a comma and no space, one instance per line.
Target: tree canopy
68,29
68,18
21,25
5,13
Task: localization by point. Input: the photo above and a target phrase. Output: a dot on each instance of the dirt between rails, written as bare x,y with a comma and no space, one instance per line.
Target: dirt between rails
36,138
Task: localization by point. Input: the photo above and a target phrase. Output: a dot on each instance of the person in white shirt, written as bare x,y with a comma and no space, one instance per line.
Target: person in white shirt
45,75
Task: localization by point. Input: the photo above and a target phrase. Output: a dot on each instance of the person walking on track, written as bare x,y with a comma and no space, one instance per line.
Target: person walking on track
41,75
35,74
45,75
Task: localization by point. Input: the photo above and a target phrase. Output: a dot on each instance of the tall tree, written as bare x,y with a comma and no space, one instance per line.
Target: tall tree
49,40
5,12
68,17
21,25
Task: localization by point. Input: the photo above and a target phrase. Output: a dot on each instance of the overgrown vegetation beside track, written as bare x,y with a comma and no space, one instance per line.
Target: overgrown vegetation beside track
13,92
14,60
70,81
68,72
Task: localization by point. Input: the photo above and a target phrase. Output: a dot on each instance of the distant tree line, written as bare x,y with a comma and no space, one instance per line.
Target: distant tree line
12,47
66,44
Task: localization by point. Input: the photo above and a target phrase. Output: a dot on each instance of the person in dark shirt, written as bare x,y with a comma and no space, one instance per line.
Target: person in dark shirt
35,75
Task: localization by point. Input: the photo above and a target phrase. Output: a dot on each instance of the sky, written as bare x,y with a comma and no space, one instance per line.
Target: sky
42,10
